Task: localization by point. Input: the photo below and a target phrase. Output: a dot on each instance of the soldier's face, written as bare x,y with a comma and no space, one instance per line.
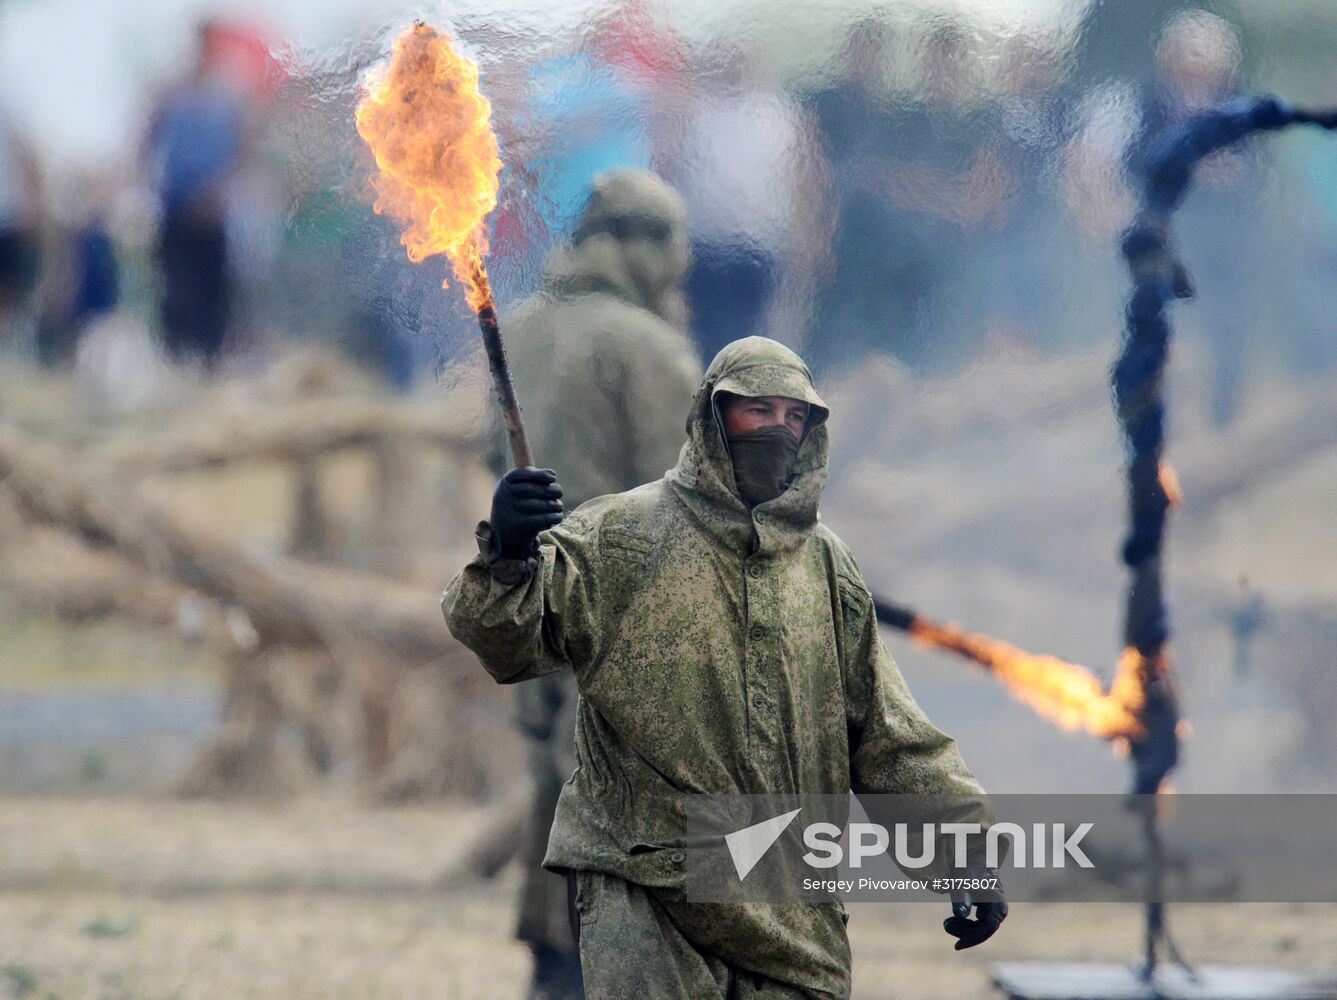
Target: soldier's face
742,414
656,257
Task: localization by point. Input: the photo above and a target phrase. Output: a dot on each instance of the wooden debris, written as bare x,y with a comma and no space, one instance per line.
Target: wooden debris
372,628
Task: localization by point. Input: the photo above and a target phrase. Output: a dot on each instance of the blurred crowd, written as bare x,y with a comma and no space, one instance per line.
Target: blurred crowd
934,191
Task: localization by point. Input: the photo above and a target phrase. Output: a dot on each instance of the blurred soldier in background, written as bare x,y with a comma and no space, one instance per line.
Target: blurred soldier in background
606,373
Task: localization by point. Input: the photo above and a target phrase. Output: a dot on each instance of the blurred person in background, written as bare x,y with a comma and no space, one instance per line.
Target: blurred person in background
381,334
649,59
865,289
384,300
603,104
21,218
599,104
200,138
913,180
83,276
1198,59
750,169
588,121
601,359
1022,258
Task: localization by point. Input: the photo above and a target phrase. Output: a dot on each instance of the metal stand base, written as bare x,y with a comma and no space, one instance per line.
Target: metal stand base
1098,981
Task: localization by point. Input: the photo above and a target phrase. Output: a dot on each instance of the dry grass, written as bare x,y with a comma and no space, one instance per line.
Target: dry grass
146,898
240,945
39,652
448,945
1006,502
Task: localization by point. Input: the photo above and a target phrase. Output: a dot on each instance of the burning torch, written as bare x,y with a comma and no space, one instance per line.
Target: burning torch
437,161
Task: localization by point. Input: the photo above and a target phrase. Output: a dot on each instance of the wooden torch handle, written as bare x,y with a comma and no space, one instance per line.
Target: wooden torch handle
501,378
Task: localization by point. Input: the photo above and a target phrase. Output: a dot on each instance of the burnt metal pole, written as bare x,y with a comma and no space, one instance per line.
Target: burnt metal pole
1159,278
896,615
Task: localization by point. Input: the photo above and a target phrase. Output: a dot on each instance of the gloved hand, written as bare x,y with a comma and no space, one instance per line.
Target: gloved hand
526,501
989,914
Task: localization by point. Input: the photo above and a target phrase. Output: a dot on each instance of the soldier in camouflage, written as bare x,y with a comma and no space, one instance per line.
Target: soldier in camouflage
723,641
605,371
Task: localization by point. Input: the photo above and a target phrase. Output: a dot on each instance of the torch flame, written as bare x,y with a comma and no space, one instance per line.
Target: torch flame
1066,693
437,160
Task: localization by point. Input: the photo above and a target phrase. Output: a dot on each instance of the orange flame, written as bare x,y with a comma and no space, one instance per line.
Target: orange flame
1066,693
1169,481
437,160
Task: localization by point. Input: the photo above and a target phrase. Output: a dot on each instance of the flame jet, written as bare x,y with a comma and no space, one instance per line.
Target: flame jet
1067,694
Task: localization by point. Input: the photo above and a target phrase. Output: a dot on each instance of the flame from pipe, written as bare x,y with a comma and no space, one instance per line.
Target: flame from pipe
1065,693
1169,480
437,160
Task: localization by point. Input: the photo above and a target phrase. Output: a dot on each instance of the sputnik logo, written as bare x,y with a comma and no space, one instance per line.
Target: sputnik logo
748,845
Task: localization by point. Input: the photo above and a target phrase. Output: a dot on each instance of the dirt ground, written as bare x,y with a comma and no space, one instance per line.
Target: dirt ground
153,898
994,499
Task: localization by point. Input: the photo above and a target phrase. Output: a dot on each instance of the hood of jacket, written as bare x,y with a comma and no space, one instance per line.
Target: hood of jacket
612,254
704,476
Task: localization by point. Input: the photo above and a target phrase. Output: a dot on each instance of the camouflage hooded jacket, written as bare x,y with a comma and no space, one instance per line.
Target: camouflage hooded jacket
718,649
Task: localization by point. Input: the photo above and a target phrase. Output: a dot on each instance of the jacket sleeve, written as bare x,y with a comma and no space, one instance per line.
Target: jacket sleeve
896,751
526,618
894,748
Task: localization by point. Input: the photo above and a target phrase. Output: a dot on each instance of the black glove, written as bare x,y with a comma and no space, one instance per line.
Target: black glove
989,914
525,502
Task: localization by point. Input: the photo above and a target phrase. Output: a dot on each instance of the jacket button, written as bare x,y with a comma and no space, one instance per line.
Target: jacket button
754,572
761,516
676,857
758,700
757,633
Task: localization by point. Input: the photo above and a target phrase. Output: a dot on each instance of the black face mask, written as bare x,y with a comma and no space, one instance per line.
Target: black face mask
763,462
